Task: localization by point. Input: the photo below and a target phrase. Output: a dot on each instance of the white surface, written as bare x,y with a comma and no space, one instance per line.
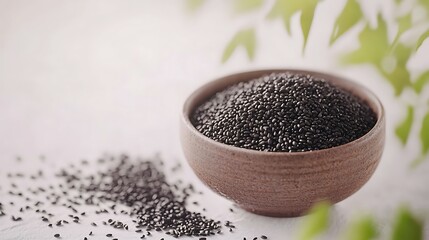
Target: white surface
80,78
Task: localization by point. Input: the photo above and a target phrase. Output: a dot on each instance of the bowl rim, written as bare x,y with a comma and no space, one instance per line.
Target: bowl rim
187,111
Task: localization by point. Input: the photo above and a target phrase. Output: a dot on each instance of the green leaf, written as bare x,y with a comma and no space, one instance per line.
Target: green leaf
424,139
194,5
306,21
247,5
285,9
421,81
403,129
424,134
404,23
316,222
350,15
422,38
361,229
374,45
245,38
425,4
406,226
400,77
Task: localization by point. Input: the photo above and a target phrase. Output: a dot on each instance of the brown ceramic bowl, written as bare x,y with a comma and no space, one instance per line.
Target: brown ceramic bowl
282,184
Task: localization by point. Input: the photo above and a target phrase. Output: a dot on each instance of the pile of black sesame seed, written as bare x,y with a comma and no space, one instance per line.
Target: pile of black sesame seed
284,112
141,186
122,186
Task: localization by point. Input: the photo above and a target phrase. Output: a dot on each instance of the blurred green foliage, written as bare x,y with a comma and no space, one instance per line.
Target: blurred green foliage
349,17
404,24
424,134
245,38
422,38
425,3
421,81
361,229
406,226
390,57
373,41
404,128
316,222
286,9
247,5
193,5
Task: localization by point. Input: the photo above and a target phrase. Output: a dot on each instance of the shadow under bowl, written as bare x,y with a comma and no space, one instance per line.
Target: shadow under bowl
282,184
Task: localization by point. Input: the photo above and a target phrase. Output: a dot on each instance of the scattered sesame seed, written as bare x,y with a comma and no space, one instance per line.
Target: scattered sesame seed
154,204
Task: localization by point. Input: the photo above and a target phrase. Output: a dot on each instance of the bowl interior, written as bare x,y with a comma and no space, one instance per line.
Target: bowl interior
203,93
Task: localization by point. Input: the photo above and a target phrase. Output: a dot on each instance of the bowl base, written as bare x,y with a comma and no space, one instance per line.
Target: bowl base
276,214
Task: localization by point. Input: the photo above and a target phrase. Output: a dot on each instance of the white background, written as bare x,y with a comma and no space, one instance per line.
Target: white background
81,78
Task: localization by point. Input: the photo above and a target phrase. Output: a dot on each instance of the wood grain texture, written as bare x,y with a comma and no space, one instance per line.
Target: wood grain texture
278,183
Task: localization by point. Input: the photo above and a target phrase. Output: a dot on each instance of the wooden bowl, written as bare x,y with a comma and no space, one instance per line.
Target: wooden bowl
282,184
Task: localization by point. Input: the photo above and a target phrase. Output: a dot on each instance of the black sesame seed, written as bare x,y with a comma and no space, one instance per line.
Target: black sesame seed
16,219
57,235
154,203
284,112
264,237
